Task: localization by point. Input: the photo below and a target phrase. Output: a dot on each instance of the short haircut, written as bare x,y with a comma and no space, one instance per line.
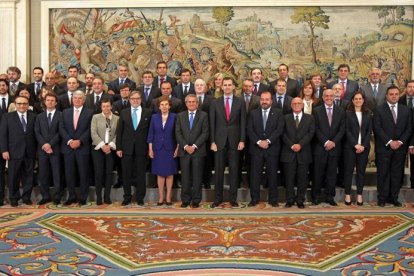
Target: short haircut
99,78
282,64
124,85
51,94
280,80
161,62
73,67
256,68
14,69
197,81
229,78
135,92
317,74
38,68
5,81
166,82
249,80
266,92
344,65
410,81
393,87
185,70
191,96
78,93
147,72
162,99
72,78
106,100
21,97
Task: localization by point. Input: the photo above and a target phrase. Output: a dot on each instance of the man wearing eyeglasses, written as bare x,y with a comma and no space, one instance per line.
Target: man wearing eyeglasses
18,147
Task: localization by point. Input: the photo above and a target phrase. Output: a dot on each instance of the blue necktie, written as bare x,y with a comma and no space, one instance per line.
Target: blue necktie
49,119
135,118
191,119
146,93
3,105
24,124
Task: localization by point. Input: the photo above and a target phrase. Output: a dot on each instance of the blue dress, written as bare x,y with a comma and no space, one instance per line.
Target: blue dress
163,144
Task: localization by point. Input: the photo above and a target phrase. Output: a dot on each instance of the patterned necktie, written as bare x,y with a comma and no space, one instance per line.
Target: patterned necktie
49,119
264,118
330,116
24,124
255,89
97,100
228,109
135,118
162,79
76,119
343,89
37,91
122,82
279,102
13,89
297,121
3,105
394,115
191,119
146,93
375,91
124,103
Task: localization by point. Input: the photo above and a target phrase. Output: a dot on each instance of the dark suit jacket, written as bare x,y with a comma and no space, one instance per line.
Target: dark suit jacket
286,108
272,132
114,85
176,105
57,90
64,86
129,140
162,137
353,129
118,106
292,87
19,86
63,102
302,135
178,91
254,102
156,82
262,88
371,102
13,139
220,130
205,106
154,93
83,131
198,135
385,129
32,90
51,135
90,102
324,132
7,107
343,103
351,88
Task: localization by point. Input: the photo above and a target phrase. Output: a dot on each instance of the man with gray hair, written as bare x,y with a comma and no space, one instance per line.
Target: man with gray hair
75,132
374,91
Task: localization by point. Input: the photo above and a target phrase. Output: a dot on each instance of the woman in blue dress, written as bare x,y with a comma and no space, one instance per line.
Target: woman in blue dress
163,149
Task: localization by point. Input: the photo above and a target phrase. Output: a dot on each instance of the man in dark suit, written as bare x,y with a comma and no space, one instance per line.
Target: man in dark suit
73,71
148,90
5,101
191,131
18,147
349,87
75,132
66,99
15,84
281,99
204,102
185,87
227,135
132,147
264,128
35,87
258,86
93,101
374,91
392,130
162,75
88,89
318,86
113,86
176,104
48,150
50,82
329,130
297,152
292,86
122,103
408,100
338,102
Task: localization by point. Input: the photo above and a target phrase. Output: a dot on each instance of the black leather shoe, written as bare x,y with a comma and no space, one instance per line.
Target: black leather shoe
82,202
69,202
1,202
252,203
234,204
360,203
56,202
381,203
207,186
195,205
274,204
99,202
301,205
126,202
107,202
215,204
348,203
288,204
332,202
43,201
397,203
316,202
117,185
185,204
140,203
14,204
27,201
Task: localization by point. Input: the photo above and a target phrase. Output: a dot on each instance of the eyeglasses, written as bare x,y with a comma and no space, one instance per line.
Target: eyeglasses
22,103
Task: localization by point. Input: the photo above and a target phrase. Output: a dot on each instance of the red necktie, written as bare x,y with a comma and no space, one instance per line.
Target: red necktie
255,89
343,90
227,109
161,81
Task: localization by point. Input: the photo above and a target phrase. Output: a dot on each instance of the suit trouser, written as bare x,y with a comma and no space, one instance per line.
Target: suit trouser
256,167
20,169
77,164
389,166
219,164
359,160
133,169
191,178
411,170
2,178
103,166
296,173
49,165
325,169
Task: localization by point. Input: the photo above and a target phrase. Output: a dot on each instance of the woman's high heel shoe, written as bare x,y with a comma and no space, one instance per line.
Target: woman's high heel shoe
348,203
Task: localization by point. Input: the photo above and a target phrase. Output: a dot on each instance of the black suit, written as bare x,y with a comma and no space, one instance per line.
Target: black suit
390,163
96,107
134,147
351,158
227,135
22,151
64,102
49,164
403,100
119,105
286,106
153,93
2,161
209,159
259,156
178,91
114,86
262,88
156,82
351,87
292,87
57,90
326,162
176,105
296,164
191,164
76,160
34,95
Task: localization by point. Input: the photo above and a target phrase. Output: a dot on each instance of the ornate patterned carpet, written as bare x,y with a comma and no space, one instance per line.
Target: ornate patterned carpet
114,240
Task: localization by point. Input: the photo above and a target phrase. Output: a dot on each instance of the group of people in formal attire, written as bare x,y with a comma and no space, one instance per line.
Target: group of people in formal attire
283,133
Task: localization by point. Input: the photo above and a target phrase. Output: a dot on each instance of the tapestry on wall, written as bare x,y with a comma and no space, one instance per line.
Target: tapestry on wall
234,40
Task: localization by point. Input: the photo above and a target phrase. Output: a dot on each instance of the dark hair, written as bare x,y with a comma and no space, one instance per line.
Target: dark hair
38,68
229,78
22,88
167,82
280,80
313,95
162,99
99,78
344,66
124,85
256,68
5,81
351,106
393,87
51,94
73,67
147,72
107,100
14,69
185,70
282,64
410,81
161,62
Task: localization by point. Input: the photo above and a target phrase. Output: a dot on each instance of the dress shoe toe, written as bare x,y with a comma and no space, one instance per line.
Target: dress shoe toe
14,204
234,204
43,201
288,204
126,202
140,203
397,204
195,205
185,204
274,204
301,205
332,202
27,202
215,204
252,204
381,204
